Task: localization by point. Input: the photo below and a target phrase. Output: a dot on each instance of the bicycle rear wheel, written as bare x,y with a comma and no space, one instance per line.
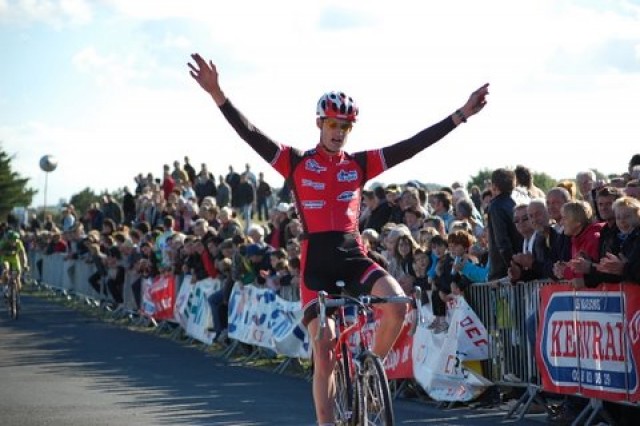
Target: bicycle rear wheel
343,402
375,395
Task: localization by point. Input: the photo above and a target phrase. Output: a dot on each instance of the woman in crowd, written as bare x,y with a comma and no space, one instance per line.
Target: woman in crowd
577,219
401,263
623,262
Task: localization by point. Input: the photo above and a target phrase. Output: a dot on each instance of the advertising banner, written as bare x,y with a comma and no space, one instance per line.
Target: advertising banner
588,341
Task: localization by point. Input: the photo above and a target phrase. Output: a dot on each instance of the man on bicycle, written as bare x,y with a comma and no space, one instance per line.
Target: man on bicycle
12,255
327,184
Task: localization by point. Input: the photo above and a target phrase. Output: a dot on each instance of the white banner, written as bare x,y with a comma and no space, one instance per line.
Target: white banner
260,317
438,358
199,318
192,309
181,310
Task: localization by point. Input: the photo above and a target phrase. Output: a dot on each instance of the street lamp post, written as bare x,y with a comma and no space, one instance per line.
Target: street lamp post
48,163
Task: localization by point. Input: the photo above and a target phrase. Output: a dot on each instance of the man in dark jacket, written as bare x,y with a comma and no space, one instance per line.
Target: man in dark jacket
128,206
205,186
245,195
263,192
504,239
379,211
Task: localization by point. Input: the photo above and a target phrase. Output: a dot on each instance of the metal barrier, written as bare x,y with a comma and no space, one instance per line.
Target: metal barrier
510,315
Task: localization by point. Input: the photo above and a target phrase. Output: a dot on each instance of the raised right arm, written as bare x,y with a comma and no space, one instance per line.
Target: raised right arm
206,75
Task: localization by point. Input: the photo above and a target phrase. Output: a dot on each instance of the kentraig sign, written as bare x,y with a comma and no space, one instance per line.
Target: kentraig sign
589,341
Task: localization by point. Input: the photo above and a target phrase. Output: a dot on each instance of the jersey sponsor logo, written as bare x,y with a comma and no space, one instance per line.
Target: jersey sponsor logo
313,166
312,204
346,196
308,183
347,176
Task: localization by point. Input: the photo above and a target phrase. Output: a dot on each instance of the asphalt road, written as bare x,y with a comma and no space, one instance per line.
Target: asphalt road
59,366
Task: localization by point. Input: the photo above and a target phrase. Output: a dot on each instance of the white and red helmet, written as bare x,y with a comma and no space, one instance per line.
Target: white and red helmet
337,105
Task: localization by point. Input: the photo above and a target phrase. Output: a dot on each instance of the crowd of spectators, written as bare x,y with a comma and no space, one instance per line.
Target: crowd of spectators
238,229
186,223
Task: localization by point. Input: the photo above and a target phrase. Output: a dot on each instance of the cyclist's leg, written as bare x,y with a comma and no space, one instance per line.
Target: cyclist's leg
19,280
4,278
392,313
323,366
317,263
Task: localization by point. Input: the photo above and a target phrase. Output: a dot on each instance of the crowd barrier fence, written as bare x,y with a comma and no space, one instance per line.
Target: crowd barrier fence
550,338
510,313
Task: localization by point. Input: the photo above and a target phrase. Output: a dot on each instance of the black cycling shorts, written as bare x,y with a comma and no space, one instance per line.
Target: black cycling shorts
329,257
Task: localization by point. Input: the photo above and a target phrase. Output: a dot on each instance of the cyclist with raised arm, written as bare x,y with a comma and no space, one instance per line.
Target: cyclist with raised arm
327,183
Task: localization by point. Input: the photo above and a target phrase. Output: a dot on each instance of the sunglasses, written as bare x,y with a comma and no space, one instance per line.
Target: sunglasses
333,124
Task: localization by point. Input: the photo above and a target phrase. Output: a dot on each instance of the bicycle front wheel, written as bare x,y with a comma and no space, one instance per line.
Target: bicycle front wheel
14,301
374,392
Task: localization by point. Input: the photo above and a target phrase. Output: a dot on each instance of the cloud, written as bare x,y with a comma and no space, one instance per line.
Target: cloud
620,56
339,18
178,41
57,14
107,70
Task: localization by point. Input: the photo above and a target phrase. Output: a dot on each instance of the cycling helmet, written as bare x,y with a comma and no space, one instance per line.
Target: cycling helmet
13,236
337,105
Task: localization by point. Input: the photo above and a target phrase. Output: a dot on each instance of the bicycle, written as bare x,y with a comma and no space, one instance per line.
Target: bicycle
362,396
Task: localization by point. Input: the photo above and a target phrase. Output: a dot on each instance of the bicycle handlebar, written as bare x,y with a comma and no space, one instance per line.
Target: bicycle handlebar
364,301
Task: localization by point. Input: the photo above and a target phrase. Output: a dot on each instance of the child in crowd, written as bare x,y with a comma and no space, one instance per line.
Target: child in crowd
459,244
290,282
440,282
370,239
421,263
281,269
425,236
276,256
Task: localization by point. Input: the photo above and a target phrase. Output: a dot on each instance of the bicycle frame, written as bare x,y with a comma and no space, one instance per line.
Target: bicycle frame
361,368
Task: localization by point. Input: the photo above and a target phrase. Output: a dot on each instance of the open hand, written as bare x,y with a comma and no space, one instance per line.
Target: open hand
206,75
612,264
580,265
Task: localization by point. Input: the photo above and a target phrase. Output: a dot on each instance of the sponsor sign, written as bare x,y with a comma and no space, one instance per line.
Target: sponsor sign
399,362
158,296
260,317
588,341
439,359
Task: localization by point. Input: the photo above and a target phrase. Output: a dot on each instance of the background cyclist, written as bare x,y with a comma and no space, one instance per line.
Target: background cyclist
12,254
327,184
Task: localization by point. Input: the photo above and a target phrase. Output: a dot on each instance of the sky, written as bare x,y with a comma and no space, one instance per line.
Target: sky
103,86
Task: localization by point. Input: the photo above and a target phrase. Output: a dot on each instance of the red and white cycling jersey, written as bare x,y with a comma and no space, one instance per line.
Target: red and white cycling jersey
328,188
